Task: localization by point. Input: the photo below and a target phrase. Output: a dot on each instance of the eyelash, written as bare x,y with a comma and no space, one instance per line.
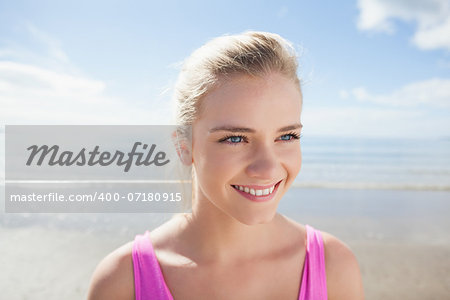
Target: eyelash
294,135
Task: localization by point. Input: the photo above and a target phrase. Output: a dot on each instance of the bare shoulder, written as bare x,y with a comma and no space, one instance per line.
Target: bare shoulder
342,270
113,277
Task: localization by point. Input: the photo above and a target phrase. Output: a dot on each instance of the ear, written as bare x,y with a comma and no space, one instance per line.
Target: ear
182,146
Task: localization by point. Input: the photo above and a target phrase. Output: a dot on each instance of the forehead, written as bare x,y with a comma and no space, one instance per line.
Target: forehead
244,100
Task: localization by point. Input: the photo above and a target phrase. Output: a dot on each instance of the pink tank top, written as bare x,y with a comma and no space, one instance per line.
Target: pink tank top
149,280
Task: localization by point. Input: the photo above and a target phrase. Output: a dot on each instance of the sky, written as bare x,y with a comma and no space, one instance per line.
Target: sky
369,68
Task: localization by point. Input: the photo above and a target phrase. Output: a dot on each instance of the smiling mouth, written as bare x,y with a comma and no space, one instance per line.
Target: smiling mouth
257,192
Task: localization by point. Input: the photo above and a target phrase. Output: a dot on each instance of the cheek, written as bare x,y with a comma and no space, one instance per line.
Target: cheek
299,161
212,167
293,163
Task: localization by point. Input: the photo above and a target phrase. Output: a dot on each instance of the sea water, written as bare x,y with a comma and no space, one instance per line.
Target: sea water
375,163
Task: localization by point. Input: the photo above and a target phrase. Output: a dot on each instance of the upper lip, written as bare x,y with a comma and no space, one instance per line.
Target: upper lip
258,187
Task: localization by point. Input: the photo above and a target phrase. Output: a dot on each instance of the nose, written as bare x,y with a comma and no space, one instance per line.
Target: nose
264,162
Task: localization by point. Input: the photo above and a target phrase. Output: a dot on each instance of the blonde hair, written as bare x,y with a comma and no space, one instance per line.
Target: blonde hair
251,53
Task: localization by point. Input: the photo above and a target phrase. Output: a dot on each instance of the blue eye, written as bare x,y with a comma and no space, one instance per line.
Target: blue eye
239,139
290,136
233,139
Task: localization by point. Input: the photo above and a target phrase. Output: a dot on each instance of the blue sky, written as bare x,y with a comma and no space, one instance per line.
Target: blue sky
371,68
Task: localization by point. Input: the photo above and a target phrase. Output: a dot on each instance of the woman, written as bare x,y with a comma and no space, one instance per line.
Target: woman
242,97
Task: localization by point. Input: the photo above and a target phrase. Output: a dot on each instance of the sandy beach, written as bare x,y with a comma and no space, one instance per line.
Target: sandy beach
404,270
43,263
403,254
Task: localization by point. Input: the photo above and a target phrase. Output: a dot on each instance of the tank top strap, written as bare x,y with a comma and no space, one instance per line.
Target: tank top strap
148,278
314,281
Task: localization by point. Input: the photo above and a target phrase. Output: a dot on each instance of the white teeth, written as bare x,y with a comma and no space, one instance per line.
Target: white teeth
255,192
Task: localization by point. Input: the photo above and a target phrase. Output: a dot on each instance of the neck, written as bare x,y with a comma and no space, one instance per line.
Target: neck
217,237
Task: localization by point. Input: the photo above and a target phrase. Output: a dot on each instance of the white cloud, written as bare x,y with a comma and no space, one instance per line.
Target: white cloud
35,95
432,18
369,122
417,109
434,36
37,48
23,78
373,16
32,92
54,48
430,93
32,95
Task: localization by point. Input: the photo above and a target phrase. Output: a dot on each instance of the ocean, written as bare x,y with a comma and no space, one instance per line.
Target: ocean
357,163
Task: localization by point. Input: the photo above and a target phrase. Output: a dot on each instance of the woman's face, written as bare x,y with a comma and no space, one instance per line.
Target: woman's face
246,137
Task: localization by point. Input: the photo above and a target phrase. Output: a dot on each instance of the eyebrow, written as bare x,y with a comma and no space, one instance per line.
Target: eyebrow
246,129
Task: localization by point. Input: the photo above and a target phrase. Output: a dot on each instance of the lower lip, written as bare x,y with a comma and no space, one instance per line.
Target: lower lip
259,198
